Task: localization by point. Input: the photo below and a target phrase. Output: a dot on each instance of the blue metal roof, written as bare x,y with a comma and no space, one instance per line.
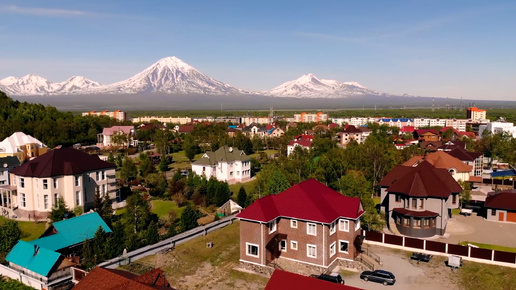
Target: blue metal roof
503,173
72,231
38,260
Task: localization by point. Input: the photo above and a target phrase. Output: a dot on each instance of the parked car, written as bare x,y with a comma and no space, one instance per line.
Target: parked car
379,276
333,277
421,257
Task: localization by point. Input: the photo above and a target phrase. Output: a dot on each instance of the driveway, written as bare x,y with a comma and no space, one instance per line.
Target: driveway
476,229
409,275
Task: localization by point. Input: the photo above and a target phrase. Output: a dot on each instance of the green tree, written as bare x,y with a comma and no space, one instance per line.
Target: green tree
163,164
189,218
10,233
88,255
120,139
222,193
60,211
465,195
151,234
99,244
242,197
128,171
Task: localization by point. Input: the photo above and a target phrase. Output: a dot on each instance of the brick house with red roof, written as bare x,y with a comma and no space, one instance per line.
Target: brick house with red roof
308,223
418,200
501,206
285,280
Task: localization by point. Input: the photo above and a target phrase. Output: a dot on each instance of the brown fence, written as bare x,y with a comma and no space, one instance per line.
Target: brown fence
433,246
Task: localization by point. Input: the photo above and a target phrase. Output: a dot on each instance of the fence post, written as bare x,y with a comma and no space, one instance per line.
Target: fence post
469,251
424,245
446,248
383,238
492,255
403,241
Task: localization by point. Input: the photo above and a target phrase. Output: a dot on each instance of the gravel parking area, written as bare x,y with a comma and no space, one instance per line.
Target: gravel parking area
409,274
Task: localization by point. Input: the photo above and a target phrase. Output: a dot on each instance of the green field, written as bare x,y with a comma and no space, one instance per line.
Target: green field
30,230
163,207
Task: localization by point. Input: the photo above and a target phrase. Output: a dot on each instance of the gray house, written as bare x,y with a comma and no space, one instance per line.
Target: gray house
418,200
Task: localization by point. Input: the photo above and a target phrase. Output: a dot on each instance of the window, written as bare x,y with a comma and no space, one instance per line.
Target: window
203,169
406,222
332,249
97,176
76,180
283,245
398,198
343,246
398,220
344,225
22,201
272,226
252,250
311,251
454,199
311,229
231,173
293,224
493,212
55,182
45,184
22,182
357,224
414,203
104,189
293,245
103,175
332,228
77,198
45,201
417,223
426,223
56,198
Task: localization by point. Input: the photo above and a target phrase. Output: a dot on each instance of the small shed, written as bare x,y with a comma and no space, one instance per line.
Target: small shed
229,208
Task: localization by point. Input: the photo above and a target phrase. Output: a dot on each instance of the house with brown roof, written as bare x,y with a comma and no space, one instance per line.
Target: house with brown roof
458,150
308,223
113,279
285,280
428,135
71,174
418,201
351,132
440,159
501,206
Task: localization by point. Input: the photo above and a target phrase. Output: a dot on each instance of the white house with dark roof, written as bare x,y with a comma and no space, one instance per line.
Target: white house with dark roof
105,139
226,164
68,173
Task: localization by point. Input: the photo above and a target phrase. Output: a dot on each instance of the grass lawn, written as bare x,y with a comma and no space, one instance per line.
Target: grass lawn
30,230
194,266
268,152
248,186
490,247
181,161
483,276
163,207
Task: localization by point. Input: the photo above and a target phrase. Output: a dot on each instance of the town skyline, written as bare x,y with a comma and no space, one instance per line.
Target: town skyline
455,50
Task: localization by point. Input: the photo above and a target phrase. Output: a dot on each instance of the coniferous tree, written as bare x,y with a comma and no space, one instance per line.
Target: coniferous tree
242,196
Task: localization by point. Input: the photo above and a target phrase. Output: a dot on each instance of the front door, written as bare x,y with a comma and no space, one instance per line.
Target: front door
501,216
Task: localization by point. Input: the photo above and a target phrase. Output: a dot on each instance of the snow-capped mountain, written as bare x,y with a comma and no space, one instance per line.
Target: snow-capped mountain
309,86
74,85
36,85
170,75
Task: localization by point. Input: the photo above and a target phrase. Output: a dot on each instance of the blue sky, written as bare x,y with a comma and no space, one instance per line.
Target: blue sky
453,48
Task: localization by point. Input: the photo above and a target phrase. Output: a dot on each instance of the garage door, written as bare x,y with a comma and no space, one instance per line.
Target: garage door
511,217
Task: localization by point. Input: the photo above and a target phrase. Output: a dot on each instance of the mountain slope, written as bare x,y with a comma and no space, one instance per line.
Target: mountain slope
309,86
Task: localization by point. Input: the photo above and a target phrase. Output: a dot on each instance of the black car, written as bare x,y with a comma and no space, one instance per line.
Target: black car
333,277
379,276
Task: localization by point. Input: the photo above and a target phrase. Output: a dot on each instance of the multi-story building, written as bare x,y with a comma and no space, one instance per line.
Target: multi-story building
396,122
476,114
23,146
64,173
496,128
475,160
311,117
226,164
418,200
164,120
119,115
308,223
258,120
351,132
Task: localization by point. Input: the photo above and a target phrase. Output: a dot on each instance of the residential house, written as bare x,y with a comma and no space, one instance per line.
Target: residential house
109,138
256,120
46,262
303,141
429,135
6,164
68,173
497,127
440,159
23,146
430,146
454,133
418,201
396,122
308,223
184,129
285,280
458,150
114,279
226,164
164,120
501,206
275,132
351,132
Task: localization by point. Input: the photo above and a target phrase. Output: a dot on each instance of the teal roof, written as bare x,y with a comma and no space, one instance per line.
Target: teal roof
72,231
25,255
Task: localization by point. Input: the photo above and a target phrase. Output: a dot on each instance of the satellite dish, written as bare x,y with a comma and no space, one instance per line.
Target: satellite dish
230,149
5,165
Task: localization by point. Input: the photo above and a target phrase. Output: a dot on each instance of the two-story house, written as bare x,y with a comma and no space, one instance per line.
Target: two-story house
418,200
70,174
109,137
308,223
350,132
225,164
23,146
303,141
440,159
458,150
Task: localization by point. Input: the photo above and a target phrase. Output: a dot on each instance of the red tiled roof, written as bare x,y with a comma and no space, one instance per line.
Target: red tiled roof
307,200
407,129
64,161
468,134
414,213
303,142
502,200
333,125
420,181
351,129
110,279
186,128
283,280
423,131
444,129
